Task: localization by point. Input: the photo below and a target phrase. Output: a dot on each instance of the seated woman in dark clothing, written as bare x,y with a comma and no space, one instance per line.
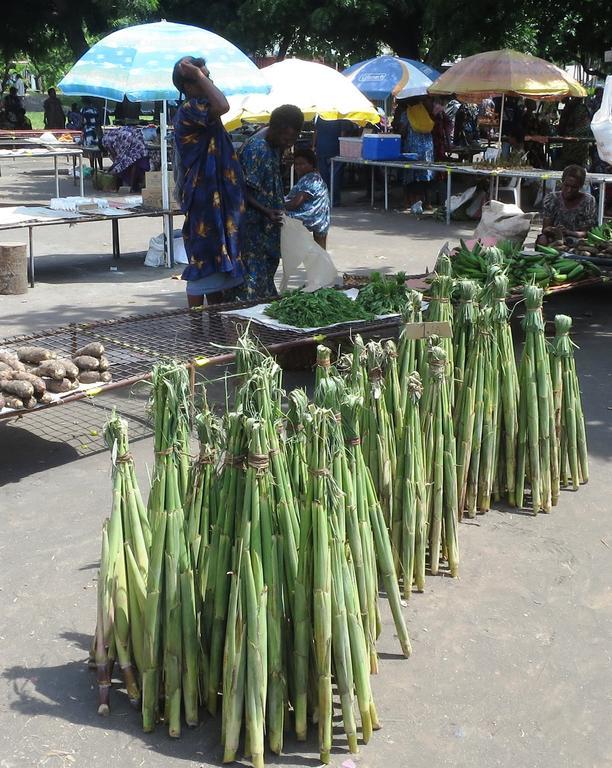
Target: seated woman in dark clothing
570,213
129,154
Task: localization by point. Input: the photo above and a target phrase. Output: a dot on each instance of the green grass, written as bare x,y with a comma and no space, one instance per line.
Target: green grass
37,120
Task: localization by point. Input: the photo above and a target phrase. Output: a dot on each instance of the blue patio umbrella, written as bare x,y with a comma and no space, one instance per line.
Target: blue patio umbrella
387,76
137,62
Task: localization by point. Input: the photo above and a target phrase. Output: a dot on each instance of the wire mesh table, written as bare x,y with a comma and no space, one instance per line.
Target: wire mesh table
196,338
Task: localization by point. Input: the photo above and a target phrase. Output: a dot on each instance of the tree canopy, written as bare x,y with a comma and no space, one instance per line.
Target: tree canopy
340,31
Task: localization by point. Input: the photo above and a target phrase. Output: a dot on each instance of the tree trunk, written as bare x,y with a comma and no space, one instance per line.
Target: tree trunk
13,269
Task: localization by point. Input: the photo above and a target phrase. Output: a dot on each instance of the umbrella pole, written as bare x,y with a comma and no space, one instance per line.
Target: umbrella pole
499,140
105,110
168,234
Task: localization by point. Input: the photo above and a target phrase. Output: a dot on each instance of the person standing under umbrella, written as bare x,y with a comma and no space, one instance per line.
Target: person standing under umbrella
260,158
209,186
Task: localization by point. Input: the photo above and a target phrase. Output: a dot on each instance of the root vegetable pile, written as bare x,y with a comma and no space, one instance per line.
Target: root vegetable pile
31,375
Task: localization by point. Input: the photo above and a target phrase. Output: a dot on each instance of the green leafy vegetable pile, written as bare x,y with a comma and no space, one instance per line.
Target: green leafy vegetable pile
316,310
385,295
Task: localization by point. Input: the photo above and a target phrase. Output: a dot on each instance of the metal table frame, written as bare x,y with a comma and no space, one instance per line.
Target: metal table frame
601,179
73,152
86,218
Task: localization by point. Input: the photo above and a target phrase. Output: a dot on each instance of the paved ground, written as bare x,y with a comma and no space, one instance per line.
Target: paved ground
511,664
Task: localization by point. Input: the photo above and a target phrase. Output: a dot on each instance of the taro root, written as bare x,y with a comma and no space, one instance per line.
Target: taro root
59,387
93,349
86,362
72,370
89,377
21,389
11,359
34,354
39,385
51,369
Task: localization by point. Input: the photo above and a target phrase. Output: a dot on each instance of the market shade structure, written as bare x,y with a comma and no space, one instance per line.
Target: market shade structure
386,76
506,72
315,88
137,62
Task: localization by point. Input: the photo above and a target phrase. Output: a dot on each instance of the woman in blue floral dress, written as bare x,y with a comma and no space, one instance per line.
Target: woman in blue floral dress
308,199
209,187
260,158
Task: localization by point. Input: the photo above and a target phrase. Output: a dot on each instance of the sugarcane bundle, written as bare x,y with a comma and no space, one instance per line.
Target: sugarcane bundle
200,505
495,294
357,377
297,416
368,520
379,447
261,396
323,364
124,564
409,349
254,663
440,310
569,417
328,633
463,327
393,389
170,647
409,524
537,445
231,491
476,420
440,464
358,528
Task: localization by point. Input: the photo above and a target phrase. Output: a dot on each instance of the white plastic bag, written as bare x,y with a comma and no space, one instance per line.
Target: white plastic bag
601,124
503,221
299,248
155,254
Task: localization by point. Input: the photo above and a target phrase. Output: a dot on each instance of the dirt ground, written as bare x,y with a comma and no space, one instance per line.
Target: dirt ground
511,663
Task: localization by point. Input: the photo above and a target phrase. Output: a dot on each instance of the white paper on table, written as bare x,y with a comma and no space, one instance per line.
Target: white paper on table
258,315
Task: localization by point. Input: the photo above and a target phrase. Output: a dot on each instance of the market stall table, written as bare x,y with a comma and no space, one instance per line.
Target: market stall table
600,179
32,217
70,151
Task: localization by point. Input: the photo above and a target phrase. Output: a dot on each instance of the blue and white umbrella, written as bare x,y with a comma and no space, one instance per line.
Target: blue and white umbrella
137,62
387,76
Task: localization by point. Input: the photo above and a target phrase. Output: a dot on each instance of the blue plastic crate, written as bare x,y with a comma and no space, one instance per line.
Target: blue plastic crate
381,146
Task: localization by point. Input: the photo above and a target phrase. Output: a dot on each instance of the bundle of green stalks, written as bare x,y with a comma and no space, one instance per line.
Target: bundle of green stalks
329,638
495,295
463,327
170,664
440,310
537,452
297,417
393,389
569,417
410,350
409,524
440,464
359,511
126,538
379,446
200,505
475,420
254,682
231,493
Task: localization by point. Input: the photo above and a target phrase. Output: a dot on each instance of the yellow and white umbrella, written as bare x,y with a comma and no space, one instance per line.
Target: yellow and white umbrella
315,88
